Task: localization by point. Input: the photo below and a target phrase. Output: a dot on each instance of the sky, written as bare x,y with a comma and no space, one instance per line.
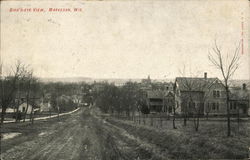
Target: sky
124,39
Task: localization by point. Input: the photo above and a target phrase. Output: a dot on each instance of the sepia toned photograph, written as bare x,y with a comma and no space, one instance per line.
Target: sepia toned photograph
124,79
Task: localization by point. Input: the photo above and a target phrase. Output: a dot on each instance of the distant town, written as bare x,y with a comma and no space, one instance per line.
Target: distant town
125,80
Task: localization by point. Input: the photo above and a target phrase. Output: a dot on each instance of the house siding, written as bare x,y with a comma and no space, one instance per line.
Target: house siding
215,104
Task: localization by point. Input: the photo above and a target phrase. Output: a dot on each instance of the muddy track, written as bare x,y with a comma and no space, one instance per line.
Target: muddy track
79,136
122,144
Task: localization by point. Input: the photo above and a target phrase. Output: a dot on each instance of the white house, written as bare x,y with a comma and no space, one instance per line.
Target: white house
23,107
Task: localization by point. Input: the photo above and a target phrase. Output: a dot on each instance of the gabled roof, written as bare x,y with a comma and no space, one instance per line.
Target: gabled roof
169,94
194,84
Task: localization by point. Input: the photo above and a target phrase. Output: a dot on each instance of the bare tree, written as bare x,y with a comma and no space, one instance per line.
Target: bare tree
188,85
227,65
208,109
28,80
194,94
35,88
174,107
204,87
9,87
174,112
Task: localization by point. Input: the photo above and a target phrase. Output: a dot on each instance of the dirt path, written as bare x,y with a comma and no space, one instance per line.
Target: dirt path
79,136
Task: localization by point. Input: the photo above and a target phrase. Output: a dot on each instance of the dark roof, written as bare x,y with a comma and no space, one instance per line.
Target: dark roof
239,94
194,84
155,94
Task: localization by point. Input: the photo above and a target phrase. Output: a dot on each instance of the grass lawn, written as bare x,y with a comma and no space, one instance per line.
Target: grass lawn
210,142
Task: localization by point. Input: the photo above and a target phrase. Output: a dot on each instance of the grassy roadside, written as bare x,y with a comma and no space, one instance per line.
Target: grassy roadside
184,143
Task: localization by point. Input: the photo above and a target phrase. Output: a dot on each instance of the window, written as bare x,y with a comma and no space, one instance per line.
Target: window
214,105
202,105
216,94
191,104
218,105
231,105
235,106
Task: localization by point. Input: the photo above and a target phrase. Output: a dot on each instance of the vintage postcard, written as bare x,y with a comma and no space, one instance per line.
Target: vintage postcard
124,79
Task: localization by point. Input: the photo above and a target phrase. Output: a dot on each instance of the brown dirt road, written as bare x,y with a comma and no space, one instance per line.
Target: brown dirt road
81,135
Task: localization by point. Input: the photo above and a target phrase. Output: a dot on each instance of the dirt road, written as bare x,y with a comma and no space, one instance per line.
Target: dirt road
81,135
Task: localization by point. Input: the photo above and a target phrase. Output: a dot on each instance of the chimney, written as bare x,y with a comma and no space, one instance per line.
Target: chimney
244,86
205,75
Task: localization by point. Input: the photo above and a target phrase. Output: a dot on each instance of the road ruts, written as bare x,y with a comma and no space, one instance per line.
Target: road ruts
81,136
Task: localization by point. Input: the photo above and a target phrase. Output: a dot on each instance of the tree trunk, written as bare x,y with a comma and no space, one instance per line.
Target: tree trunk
152,122
127,113
134,118
3,115
58,112
185,119
160,121
228,113
16,118
238,118
139,117
31,115
196,122
26,110
27,101
174,127
144,120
